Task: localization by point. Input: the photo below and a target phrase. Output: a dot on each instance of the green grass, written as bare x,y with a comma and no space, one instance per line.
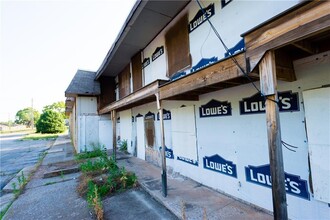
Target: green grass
3,212
102,177
38,136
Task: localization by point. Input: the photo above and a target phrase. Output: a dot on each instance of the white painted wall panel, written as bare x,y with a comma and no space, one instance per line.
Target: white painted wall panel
317,112
184,132
157,68
140,138
92,130
242,139
105,132
126,127
87,105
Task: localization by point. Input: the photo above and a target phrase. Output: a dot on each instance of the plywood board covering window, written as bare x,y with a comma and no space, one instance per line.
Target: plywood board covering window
124,82
149,126
137,71
177,46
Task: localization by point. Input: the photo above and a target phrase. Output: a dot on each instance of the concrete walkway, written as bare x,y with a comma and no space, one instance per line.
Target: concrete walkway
56,197
51,198
199,201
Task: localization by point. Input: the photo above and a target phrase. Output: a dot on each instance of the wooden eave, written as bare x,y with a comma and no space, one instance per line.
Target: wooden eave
290,29
69,104
221,75
143,95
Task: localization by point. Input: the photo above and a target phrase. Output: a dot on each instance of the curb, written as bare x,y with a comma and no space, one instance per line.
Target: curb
158,199
61,172
26,171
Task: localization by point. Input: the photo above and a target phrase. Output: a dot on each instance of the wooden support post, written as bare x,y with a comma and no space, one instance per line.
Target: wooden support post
161,120
268,84
114,136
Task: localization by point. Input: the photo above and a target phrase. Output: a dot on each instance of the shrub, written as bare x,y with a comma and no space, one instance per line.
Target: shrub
50,122
123,146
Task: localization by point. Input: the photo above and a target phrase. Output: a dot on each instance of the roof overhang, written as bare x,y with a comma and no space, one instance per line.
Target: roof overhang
139,97
145,21
307,20
221,75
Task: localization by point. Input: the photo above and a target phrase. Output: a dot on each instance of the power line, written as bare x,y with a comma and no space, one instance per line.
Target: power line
286,145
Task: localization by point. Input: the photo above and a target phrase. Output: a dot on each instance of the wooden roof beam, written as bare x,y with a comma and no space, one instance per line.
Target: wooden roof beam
309,20
142,95
306,46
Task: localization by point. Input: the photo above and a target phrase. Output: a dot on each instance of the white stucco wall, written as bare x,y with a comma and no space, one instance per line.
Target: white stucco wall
86,105
242,139
231,21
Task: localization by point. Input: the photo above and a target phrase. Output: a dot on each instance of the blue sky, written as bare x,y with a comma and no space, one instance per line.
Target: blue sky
43,43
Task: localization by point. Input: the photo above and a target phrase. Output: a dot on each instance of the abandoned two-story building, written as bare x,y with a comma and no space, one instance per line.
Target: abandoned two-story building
206,65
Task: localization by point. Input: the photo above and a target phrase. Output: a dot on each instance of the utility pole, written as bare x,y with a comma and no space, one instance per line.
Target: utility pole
268,85
32,115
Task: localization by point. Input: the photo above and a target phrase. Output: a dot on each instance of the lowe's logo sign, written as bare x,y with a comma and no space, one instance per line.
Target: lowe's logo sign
168,152
218,164
187,160
215,108
288,102
261,175
201,16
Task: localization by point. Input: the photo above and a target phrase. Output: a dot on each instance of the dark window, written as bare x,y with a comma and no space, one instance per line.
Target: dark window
177,46
137,71
149,126
124,82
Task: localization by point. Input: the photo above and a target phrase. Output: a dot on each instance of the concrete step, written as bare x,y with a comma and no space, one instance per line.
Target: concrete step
61,172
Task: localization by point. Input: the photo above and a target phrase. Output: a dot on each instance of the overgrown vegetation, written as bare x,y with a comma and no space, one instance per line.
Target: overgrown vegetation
123,146
97,151
102,177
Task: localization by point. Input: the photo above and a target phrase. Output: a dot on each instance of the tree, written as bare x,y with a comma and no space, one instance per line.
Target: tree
57,106
27,116
51,122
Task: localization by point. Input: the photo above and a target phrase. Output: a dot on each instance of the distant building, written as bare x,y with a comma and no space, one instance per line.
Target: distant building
14,127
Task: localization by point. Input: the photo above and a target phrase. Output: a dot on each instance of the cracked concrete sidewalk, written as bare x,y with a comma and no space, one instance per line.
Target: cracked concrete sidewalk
55,197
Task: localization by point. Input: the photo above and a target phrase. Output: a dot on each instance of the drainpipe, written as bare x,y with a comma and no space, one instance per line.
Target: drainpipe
114,138
164,175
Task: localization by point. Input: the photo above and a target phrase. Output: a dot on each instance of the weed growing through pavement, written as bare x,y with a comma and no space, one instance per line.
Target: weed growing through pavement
94,200
97,151
15,190
102,177
204,214
62,175
183,210
123,146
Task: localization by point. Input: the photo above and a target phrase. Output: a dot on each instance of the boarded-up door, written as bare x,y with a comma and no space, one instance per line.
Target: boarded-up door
317,114
88,132
105,133
184,134
141,151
